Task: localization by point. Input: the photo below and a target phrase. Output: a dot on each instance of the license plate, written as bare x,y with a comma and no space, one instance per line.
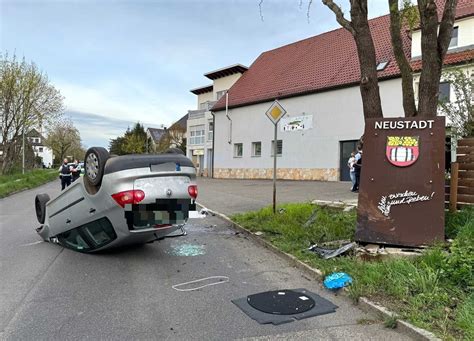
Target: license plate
162,212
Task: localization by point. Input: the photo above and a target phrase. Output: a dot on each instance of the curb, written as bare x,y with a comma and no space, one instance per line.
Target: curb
364,303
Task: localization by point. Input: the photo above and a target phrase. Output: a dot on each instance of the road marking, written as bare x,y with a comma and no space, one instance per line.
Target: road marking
220,280
34,243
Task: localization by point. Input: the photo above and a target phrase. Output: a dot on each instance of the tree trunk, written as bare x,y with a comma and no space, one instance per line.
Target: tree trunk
409,106
369,87
359,28
433,49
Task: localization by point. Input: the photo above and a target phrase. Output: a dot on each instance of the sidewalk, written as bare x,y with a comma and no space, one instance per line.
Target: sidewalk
237,196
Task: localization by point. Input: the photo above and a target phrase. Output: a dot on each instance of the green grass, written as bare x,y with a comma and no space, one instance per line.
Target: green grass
16,182
433,291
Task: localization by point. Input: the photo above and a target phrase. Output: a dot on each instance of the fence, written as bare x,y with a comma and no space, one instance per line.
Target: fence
461,185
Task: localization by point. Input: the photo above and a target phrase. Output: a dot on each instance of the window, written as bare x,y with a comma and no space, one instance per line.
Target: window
256,148
210,134
100,232
382,65
444,90
238,149
279,147
74,240
89,236
219,94
40,149
203,105
472,88
454,38
196,134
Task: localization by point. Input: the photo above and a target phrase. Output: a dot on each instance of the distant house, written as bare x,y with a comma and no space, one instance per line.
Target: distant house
165,138
200,122
37,140
317,81
175,135
154,135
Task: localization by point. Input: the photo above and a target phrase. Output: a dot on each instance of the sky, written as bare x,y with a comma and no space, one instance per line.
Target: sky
121,62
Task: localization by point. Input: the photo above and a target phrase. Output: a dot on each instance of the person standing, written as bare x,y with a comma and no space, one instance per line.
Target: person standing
76,171
357,169
350,164
65,175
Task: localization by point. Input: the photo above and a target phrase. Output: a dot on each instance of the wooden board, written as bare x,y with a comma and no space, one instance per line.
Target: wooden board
402,205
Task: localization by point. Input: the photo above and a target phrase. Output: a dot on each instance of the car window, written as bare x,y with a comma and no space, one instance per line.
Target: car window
73,239
89,236
100,231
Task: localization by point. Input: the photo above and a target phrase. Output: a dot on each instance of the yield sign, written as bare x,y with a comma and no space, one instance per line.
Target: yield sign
275,112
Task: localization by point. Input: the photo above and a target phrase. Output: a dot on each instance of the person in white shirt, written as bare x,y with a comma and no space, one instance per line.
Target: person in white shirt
350,164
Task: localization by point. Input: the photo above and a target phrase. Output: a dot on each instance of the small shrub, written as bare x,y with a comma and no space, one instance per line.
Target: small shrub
390,322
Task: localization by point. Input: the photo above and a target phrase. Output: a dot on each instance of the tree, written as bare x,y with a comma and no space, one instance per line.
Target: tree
134,141
27,100
459,112
435,38
116,145
65,140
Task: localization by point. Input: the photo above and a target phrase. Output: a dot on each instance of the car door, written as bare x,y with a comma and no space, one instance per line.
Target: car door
81,208
58,215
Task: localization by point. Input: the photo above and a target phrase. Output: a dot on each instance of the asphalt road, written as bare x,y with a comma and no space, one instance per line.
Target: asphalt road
230,196
51,293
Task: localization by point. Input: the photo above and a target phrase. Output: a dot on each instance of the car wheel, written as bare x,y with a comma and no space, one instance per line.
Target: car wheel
94,163
40,207
174,151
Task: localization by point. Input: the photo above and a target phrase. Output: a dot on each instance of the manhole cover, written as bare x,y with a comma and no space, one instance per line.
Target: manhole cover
281,302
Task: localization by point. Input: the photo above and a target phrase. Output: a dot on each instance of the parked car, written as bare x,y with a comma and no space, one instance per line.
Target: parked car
120,200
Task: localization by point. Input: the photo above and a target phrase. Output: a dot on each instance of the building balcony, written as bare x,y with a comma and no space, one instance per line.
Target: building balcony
195,114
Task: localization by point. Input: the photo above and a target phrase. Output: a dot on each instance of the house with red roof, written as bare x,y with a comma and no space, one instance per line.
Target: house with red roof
316,80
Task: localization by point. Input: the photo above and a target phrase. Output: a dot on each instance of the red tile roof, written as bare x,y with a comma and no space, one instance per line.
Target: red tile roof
450,59
319,63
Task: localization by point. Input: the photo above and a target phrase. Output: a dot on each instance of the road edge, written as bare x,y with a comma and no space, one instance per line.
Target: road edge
364,303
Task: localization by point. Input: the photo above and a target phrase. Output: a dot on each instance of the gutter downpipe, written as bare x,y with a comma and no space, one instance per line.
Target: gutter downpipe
213,142
227,115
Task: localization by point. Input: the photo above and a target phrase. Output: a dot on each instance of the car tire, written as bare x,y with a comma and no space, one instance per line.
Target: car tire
174,151
40,207
94,164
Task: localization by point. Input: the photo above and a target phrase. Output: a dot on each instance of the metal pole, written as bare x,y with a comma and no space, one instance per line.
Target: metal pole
274,168
23,154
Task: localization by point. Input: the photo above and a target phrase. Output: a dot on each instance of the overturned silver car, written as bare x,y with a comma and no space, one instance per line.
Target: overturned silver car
120,200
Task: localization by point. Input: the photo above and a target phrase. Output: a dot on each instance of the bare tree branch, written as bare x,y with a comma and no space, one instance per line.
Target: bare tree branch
339,16
446,27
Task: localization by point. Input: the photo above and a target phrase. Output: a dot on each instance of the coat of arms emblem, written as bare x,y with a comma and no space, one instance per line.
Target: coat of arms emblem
402,151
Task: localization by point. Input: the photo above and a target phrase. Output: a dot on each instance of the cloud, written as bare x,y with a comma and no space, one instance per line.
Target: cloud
123,100
97,130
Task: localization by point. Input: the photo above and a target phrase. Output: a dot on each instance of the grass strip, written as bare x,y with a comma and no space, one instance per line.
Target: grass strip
433,291
16,182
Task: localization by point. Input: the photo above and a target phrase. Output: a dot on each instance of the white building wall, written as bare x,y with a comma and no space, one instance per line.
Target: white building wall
46,154
309,154
205,97
465,36
225,83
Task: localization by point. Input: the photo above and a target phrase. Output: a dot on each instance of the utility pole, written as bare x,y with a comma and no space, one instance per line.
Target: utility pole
23,154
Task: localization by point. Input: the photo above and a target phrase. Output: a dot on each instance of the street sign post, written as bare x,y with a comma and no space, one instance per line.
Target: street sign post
275,113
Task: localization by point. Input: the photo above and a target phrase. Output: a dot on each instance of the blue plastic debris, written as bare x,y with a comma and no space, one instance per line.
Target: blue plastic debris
337,280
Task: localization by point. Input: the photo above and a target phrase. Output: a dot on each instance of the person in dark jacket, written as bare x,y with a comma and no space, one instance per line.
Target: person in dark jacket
65,175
